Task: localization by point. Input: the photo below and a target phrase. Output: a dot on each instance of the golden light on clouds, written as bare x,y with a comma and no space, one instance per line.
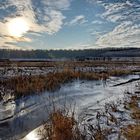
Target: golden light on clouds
17,27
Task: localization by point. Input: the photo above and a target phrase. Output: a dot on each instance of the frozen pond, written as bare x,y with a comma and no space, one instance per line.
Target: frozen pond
18,118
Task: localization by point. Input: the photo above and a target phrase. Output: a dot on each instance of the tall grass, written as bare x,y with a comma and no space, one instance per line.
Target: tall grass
61,125
25,85
64,126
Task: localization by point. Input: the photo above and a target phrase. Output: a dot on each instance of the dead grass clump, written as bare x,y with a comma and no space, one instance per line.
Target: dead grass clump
25,85
89,76
112,118
131,132
54,80
61,127
99,133
119,72
113,107
136,114
133,102
134,106
93,76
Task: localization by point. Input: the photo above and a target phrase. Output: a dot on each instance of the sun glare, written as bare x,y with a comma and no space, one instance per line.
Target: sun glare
33,135
17,27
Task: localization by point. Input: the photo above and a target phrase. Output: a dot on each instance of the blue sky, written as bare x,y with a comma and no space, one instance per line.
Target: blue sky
69,24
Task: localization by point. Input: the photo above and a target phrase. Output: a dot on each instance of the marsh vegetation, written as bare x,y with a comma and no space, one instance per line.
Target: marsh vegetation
106,108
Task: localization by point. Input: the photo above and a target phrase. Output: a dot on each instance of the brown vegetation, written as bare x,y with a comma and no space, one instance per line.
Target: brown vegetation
61,126
25,85
118,72
70,63
132,132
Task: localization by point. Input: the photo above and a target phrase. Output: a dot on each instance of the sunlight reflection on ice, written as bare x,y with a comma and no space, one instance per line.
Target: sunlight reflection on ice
33,136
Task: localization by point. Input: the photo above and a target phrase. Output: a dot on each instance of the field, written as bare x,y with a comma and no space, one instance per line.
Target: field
70,99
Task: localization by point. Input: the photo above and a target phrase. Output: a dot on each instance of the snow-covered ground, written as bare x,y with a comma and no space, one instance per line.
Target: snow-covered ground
6,72
18,118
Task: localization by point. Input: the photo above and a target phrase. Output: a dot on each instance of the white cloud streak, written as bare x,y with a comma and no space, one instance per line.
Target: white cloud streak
126,14
123,35
77,20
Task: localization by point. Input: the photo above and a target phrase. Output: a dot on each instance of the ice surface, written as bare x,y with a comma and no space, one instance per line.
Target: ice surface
28,113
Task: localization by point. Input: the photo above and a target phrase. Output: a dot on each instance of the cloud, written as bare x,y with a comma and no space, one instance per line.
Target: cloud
42,16
126,16
56,22
119,11
97,34
125,34
58,4
97,22
80,19
4,44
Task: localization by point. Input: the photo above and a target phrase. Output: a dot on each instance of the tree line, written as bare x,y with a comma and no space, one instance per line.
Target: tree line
70,54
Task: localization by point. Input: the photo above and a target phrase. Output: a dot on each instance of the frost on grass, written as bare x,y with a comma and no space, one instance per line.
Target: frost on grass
117,120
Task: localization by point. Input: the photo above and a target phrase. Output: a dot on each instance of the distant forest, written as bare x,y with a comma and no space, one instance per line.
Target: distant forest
70,54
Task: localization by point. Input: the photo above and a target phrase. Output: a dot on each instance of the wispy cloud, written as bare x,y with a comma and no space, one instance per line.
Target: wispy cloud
125,34
122,11
112,23
97,22
77,20
126,15
97,34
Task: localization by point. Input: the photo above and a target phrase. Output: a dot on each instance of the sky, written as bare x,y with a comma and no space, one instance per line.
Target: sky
69,24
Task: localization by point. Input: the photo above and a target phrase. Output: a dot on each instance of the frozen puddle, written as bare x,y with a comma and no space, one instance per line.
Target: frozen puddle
19,118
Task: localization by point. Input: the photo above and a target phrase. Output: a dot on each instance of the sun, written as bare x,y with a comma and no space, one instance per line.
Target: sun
17,27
